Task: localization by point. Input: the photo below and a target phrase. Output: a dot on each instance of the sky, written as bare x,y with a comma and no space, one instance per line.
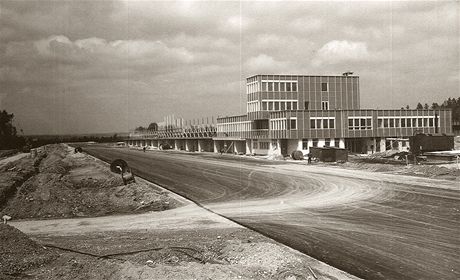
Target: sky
109,66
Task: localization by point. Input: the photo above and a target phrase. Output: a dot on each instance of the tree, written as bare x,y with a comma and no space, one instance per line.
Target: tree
8,133
419,106
407,107
153,126
435,106
139,129
426,107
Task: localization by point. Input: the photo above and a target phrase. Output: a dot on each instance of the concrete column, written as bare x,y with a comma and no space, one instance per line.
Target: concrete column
214,144
342,143
299,145
176,144
332,142
321,142
248,146
200,145
187,145
382,145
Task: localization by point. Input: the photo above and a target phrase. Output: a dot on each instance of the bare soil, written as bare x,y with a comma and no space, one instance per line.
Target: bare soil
19,253
230,253
61,183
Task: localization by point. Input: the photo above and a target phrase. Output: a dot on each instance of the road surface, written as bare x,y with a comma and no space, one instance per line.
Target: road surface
371,225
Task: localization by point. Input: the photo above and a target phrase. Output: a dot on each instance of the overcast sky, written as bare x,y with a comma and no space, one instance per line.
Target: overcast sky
102,66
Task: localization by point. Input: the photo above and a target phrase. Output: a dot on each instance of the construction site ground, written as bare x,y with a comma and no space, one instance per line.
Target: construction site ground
83,223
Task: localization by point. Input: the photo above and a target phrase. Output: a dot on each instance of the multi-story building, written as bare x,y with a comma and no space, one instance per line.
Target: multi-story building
295,112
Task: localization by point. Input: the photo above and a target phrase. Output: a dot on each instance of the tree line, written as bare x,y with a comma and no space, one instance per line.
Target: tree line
449,103
11,140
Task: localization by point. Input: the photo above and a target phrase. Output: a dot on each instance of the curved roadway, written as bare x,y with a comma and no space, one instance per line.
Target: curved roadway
371,225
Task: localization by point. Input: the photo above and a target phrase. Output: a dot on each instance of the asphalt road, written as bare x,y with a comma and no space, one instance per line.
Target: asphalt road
371,225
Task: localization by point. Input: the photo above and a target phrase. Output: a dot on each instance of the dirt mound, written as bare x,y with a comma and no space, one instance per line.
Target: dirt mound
431,171
19,252
65,184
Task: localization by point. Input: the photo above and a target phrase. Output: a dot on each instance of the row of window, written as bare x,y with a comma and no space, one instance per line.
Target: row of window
281,105
283,124
281,86
252,87
402,122
260,145
314,143
322,122
253,106
234,127
359,123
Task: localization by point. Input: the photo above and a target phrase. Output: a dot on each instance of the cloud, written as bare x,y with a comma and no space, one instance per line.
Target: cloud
150,58
336,51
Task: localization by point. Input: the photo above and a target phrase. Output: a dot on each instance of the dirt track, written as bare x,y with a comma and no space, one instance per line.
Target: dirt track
372,225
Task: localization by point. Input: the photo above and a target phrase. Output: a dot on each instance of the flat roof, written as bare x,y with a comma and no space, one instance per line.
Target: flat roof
296,75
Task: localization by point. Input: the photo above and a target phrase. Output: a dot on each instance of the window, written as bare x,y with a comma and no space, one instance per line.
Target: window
306,103
325,105
385,123
327,142
403,122
264,145
392,123
264,86
270,106
425,122
431,122
322,122
414,122
264,106
288,106
408,122
293,123
420,122
282,86
294,105
380,122
294,86
315,142
276,86
277,106
357,123
331,123
304,144
397,123
270,86
283,106
324,87
288,86
254,144
336,142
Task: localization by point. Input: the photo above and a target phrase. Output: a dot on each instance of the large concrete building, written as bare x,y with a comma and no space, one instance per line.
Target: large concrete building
295,112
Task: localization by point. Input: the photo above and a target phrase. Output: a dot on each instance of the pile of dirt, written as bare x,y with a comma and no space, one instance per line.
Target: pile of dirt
432,171
12,175
61,183
20,253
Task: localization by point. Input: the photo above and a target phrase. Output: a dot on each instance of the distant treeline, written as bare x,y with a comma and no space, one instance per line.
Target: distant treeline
9,138
449,103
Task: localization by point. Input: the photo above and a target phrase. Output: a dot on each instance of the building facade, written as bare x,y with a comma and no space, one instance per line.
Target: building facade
295,112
